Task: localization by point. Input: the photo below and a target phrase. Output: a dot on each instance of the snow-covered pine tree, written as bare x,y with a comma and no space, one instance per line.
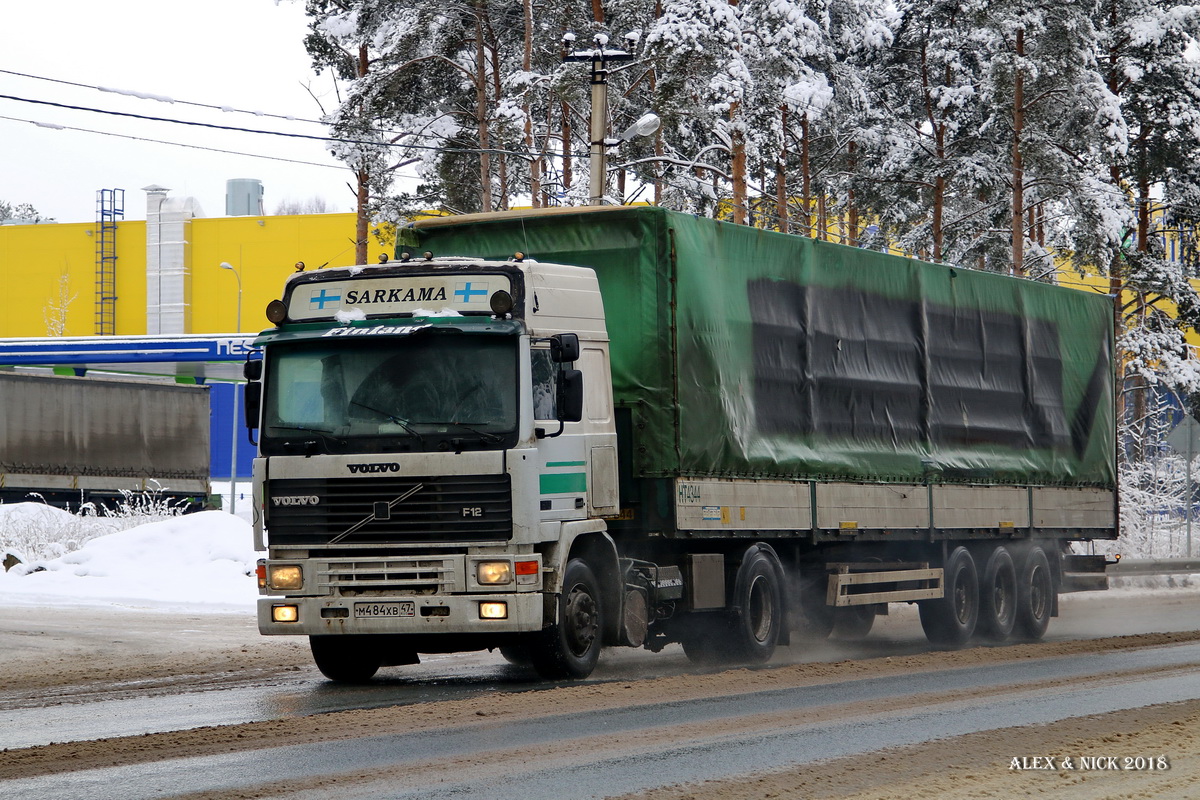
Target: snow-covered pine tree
933,178
699,51
1047,101
1144,52
860,31
789,50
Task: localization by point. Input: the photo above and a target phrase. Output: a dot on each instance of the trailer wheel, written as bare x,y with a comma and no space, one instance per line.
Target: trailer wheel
998,596
1035,595
571,647
951,619
853,622
345,659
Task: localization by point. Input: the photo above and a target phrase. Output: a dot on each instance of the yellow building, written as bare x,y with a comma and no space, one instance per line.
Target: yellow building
168,275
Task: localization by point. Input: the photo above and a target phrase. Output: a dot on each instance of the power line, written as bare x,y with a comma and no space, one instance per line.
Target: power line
55,126
308,136
159,98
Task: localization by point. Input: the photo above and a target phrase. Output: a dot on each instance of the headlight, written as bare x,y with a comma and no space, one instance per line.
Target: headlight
285,614
493,573
285,577
493,610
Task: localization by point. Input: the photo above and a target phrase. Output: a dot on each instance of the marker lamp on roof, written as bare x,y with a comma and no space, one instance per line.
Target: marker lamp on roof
276,312
501,303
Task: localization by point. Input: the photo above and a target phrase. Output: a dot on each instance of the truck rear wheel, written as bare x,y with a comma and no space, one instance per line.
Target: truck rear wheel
749,632
571,647
951,619
1035,595
998,596
758,618
809,615
345,659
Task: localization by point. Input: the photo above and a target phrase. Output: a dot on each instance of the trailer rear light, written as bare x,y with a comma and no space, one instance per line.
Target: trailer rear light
493,573
285,613
285,577
493,610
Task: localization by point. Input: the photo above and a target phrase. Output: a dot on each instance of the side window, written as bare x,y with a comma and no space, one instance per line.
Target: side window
545,372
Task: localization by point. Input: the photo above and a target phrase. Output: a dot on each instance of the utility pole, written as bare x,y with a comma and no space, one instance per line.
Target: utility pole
599,58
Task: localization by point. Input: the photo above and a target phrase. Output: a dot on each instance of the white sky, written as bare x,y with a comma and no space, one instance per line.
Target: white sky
243,54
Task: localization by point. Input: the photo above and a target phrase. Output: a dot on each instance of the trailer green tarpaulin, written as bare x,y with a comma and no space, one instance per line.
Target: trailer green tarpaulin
745,353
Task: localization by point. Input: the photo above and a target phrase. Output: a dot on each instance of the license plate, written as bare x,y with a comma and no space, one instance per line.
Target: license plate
405,608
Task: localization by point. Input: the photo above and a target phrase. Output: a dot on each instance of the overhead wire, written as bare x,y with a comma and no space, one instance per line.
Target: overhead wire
159,98
56,126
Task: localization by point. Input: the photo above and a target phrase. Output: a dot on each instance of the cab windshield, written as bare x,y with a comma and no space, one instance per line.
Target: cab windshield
433,391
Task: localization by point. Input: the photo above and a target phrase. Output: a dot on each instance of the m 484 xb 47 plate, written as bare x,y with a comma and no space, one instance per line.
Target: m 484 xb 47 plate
404,608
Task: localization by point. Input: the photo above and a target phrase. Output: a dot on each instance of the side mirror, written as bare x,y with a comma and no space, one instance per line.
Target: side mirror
252,370
253,402
564,348
570,395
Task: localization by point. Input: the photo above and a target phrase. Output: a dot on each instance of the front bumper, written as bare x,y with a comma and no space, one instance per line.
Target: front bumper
434,614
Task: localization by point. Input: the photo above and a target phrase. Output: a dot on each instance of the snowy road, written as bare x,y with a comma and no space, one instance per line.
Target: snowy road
75,713
472,726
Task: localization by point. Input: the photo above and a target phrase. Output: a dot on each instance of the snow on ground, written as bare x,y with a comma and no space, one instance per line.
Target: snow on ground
199,562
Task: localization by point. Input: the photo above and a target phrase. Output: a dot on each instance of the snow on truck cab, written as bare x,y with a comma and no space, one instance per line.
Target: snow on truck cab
663,429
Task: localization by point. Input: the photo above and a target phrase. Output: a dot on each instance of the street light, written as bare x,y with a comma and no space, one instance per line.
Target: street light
234,421
230,267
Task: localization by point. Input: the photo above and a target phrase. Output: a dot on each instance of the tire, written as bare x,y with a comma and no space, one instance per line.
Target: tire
998,596
811,619
951,619
705,639
571,647
515,654
758,617
1035,595
749,631
345,659
851,623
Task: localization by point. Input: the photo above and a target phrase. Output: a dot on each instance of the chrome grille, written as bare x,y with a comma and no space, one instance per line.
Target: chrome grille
404,576
370,512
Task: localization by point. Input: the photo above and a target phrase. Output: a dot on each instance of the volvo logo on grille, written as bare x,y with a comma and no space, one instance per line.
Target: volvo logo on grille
357,468
296,500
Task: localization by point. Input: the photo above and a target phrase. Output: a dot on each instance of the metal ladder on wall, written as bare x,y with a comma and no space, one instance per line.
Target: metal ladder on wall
110,208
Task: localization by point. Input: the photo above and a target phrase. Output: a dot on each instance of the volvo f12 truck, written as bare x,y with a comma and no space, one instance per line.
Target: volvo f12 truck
553,431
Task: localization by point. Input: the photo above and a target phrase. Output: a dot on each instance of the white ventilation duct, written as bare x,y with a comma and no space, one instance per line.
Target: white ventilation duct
168,260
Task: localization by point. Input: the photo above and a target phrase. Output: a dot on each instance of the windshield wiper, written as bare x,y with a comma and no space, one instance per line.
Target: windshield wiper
485,435
325,435
391,418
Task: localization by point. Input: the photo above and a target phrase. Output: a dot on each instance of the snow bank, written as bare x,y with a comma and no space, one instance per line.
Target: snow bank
200,562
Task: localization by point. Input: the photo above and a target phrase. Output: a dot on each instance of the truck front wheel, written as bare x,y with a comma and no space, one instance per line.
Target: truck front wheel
345,659
571,647
951,619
